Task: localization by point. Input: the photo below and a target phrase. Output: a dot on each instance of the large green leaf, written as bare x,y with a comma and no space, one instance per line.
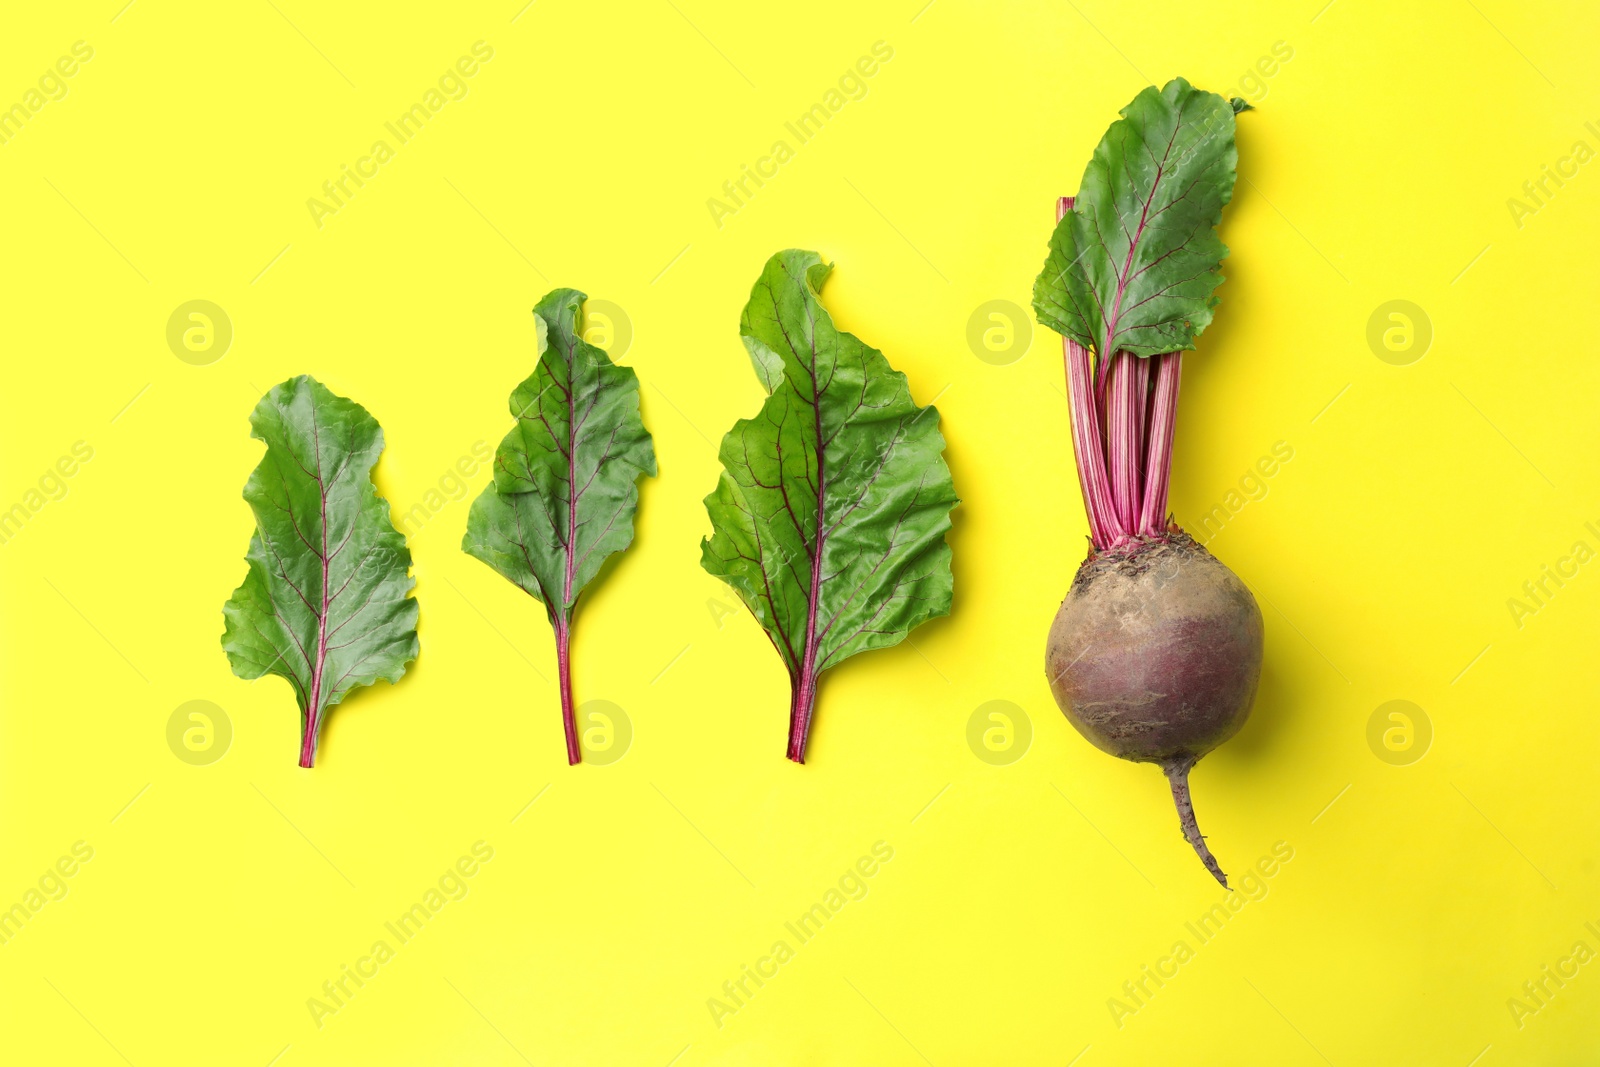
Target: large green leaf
326,601
565,486
830,514
1133,265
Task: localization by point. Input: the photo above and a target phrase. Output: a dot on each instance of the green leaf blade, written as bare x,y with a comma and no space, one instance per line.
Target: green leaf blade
1134,265
565,492
830,515
512,534
578,438
326,602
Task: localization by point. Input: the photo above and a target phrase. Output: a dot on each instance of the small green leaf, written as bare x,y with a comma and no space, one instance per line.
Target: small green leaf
565,486
1133,265
829,518
326,601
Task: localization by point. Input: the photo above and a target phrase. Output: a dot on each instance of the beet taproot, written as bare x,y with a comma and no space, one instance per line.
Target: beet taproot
1155,656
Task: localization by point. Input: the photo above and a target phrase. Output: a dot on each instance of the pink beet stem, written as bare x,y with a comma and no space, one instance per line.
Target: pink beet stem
562,620
1122,441
569,719
1158,454
804,678
1141,422
314,703
802,702
1087,446
308,739
1124,410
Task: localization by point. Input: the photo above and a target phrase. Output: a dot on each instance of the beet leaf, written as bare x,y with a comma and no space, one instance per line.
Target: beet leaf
326,601
1128,283
1133,265
829,518
565,486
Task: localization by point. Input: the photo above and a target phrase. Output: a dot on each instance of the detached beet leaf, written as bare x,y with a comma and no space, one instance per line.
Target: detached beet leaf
326,602
830,515
565,484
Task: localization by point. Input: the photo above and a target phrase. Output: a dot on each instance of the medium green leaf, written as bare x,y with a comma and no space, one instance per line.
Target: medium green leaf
565,486
829,518
1133,265
326,601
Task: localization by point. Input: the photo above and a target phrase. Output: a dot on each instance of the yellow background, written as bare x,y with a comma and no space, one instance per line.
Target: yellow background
1020,898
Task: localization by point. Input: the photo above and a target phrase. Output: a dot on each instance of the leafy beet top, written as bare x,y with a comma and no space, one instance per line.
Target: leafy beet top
565,487
829,518
326,603
1133,265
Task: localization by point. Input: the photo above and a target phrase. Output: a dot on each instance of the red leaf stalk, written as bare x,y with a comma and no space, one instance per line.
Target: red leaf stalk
1087,443
1158,460
569,718
1124,410
1123,406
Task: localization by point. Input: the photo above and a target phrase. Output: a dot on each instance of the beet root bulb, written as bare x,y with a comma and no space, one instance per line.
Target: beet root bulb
1155,656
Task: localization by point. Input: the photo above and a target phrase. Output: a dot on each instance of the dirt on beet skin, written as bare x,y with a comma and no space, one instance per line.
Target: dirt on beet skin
1156,652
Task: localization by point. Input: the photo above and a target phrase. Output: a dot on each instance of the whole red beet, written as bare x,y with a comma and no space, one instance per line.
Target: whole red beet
1155,656
1156,651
